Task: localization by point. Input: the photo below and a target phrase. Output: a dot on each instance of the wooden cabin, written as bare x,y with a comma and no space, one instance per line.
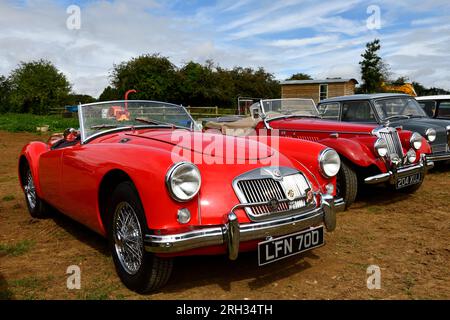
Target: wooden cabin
318,89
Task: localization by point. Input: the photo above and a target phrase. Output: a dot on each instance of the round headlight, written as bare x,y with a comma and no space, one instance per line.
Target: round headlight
411,155
381,147
431,134
183,181
416,141
329,163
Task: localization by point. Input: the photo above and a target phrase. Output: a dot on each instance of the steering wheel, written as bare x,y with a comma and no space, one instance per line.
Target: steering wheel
71,134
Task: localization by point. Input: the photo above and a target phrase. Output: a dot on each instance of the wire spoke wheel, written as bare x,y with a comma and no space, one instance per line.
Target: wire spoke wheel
128,238
30,191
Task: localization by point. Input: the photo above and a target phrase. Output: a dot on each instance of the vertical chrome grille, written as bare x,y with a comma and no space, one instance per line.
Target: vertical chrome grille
263,190
282,195
393,141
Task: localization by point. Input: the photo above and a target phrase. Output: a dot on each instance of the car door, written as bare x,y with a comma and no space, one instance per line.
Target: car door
330,111
50,176
357,111
79,184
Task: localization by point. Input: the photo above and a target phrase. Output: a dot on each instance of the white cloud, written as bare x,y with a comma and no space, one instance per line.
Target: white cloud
285,37
292,43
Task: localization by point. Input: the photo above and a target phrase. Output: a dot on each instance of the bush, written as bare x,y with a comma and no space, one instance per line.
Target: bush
14,122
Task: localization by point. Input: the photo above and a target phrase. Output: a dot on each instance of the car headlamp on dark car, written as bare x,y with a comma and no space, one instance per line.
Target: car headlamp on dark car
430,134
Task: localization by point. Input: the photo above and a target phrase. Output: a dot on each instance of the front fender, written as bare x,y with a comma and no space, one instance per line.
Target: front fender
31,153
357,153
146,167
405,137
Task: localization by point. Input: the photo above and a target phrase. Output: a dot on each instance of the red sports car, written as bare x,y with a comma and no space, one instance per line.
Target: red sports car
370,154
158,188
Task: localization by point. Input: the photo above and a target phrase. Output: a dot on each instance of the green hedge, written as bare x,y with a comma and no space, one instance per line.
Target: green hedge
15,122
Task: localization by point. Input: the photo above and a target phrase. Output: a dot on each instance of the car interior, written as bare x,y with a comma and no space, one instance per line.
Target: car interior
70,137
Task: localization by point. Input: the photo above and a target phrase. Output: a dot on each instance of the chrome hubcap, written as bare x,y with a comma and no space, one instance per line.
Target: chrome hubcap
30,191
128,238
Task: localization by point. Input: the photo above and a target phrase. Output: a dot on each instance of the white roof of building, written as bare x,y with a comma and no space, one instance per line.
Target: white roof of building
324,81
440,97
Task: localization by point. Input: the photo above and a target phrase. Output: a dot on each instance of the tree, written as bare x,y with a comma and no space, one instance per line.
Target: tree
75,99
373,70
37,86
109,94
400,81
197,84
423,91
153,76
156,78
300,76
5,91
258,84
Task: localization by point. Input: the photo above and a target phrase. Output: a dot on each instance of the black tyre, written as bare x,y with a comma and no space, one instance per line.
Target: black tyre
139,270
347,184
36,206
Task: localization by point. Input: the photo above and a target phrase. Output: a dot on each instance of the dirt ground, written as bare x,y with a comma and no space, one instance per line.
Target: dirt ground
408,237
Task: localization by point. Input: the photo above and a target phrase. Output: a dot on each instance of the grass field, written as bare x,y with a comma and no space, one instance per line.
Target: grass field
405,235
15,122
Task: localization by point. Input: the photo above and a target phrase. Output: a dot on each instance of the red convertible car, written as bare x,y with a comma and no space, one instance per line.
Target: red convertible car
370,154
128,175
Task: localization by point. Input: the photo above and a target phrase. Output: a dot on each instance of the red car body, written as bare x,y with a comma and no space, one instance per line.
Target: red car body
79,178
355,144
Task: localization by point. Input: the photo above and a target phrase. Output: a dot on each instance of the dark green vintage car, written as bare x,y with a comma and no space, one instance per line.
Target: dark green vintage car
394,110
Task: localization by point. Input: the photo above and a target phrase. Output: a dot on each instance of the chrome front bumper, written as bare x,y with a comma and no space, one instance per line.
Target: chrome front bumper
439,157
232,233
393,175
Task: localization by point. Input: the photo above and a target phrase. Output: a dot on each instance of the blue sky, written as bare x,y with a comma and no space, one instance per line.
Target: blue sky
324,39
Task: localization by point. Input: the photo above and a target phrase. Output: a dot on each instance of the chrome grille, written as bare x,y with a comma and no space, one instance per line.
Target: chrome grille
263,190
393,141
285,194
439,148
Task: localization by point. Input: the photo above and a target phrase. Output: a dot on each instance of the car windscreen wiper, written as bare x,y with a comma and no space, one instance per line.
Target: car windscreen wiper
396,116
414,116
159,123
155,122
295,116
104,126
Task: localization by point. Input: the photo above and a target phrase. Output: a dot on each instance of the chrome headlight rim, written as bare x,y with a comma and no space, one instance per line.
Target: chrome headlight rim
411,156
173,170
431,134
416,141
325,155
381,144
